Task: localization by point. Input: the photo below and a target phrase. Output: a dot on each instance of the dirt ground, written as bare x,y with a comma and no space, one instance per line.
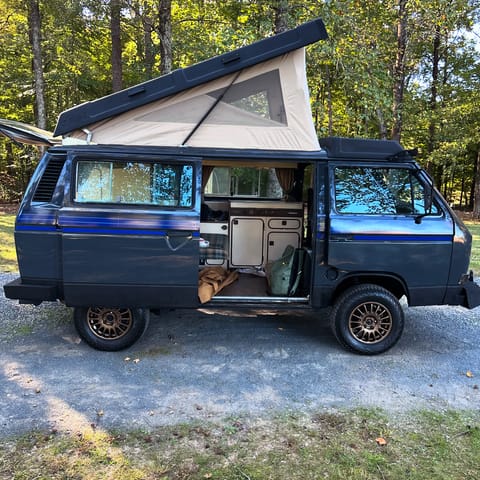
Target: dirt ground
209,365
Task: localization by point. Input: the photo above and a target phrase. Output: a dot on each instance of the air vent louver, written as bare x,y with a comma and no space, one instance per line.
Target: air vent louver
49,180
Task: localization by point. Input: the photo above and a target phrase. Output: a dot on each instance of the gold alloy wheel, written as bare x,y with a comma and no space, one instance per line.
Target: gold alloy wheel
370,322
109,323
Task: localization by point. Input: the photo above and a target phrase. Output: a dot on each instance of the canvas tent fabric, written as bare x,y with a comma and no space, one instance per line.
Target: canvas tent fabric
87,113
265,106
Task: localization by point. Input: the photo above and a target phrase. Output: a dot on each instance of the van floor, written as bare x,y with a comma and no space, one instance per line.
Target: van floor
247,285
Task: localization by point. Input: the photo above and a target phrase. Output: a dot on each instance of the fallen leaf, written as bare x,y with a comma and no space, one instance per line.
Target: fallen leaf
381,441
469,374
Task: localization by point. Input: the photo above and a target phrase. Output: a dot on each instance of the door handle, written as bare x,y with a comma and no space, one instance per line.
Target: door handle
179,235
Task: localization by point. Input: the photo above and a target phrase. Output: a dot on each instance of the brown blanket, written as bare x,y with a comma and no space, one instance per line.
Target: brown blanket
212,280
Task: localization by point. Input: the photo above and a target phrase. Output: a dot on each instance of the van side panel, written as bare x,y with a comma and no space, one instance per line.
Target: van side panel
128,248
124,258
37,238
38,253
417,254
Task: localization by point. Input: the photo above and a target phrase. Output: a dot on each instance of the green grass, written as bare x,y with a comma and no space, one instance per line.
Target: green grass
474,228
8,256
420,445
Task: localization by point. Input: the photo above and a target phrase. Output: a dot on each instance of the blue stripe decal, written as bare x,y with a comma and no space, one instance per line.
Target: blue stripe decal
130,224
403,238
386,237
35,228
109,231
99,231
121,231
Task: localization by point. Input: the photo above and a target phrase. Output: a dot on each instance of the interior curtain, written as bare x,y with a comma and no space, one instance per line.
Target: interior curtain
206,172
286,178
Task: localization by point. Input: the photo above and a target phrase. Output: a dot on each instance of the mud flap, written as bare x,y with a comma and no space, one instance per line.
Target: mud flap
472,293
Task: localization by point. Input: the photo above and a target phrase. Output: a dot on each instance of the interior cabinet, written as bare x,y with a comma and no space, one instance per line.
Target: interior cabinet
260,231
247,242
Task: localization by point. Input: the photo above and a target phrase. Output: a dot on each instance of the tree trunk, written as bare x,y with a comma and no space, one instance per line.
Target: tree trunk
382,128
115,34
329,100
399,71
476,196
432,127
165,35
280,10
147,25
34,25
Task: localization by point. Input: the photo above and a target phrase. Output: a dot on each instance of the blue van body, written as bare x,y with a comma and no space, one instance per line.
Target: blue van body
148,256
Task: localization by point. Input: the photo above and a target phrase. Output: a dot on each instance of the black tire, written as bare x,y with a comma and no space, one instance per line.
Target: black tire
110,329
367,319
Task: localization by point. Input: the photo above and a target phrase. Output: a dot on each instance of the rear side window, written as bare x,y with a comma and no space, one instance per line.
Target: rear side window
134,183
245,182
379,191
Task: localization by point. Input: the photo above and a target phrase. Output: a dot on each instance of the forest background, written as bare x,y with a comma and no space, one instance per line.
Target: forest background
397,69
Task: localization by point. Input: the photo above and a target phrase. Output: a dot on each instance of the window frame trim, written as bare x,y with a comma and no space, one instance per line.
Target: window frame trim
194,162
413,169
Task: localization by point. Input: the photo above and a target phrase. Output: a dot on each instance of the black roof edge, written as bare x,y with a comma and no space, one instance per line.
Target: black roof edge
182,79
192,152
365,148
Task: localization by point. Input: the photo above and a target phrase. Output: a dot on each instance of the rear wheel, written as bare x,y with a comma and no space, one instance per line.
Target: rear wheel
367,319
110,329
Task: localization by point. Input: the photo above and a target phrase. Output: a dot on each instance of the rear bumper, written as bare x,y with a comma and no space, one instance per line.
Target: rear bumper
32,293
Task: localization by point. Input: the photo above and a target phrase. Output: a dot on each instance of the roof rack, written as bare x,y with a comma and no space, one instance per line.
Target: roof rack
359,148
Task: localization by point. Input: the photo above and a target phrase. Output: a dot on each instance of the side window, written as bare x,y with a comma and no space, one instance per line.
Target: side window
134,183
379,191
244,182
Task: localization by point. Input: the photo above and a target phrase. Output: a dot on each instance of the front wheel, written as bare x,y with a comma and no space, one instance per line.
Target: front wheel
367,319
110,329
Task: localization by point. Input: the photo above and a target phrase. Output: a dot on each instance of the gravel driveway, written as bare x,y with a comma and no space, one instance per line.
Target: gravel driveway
200,365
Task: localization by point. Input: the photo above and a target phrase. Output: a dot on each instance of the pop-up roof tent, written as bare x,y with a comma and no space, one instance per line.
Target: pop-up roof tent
253,97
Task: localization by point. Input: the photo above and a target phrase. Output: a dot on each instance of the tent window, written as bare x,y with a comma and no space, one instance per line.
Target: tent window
260,95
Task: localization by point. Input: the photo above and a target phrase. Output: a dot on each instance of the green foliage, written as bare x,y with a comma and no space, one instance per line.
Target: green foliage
350,75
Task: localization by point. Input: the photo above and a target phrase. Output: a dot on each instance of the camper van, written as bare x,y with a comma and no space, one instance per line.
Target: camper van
208,187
